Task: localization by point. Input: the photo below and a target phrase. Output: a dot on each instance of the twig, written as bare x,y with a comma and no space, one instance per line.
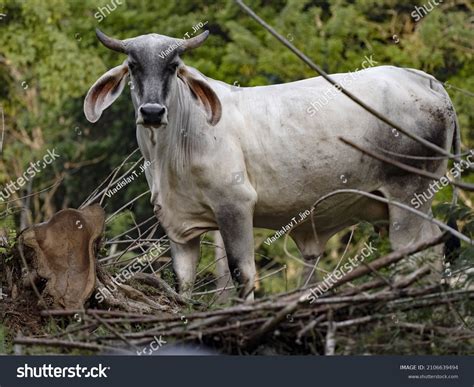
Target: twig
65,344
91,197
126,205
396,204
154,280
405,167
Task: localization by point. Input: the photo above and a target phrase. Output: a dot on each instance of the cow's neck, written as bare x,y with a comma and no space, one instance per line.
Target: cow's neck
183,137
172,151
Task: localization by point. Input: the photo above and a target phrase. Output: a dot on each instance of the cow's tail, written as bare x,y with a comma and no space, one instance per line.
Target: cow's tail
452,245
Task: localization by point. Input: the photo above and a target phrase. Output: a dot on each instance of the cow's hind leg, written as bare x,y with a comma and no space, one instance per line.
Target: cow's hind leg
407,228
185,260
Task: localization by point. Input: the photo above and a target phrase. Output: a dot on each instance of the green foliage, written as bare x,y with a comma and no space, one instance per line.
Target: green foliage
52,47
6,244
49,57
3,340
120,223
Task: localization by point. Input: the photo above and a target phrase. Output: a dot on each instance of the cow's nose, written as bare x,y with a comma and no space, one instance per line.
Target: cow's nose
152,113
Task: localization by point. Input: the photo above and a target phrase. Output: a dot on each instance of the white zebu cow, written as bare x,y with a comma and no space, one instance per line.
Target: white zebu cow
199,133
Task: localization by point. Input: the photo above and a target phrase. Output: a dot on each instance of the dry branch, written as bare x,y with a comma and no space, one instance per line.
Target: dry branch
405,167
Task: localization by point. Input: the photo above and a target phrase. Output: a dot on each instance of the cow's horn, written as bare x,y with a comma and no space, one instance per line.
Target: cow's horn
113,44
195,42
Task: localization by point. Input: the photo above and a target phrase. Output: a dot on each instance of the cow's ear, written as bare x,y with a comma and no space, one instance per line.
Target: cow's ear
204,93
105,91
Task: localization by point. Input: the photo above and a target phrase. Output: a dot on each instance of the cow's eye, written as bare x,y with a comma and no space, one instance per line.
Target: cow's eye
173,66
132,66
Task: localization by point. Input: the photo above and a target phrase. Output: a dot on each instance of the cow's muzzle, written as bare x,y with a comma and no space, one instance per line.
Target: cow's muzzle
152,114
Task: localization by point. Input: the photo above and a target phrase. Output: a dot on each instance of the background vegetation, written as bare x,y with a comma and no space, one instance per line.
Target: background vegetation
49,57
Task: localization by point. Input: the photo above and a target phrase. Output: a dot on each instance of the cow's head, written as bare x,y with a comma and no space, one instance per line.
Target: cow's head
155,69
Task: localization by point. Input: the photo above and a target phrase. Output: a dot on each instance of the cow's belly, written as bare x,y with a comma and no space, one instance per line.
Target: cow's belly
331,215
293,183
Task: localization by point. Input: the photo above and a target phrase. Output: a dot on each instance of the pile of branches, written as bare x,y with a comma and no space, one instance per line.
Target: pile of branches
288,323
292,322
148,308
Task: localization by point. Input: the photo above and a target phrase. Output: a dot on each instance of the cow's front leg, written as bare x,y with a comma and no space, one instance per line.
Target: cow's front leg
236,227
185,260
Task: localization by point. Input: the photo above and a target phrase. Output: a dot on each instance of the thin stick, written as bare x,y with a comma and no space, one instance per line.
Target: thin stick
157,282
65,344
93,196
30,279
330,345
126,205
34,193
233,287
405,167
3,131
411,157
114,331
116,172
130,229
397,204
